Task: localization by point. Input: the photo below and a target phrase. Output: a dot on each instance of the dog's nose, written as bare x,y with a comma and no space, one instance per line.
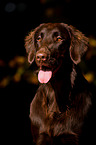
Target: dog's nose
41,57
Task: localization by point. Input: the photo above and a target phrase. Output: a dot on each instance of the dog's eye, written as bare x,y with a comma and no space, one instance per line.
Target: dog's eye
58,38
39,38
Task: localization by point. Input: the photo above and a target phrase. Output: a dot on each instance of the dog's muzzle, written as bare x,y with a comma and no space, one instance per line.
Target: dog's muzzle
42,56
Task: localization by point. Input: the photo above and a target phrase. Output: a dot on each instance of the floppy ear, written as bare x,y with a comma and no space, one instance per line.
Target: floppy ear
79,44
30,48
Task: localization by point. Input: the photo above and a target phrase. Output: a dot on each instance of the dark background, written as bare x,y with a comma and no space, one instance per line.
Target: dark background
17,83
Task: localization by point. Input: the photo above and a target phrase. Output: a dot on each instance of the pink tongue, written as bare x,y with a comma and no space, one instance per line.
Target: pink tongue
44,76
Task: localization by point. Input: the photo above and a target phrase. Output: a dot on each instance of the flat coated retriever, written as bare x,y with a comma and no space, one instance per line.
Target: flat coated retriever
63,100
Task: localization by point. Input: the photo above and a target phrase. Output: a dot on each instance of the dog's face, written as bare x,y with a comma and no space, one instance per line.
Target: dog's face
49,44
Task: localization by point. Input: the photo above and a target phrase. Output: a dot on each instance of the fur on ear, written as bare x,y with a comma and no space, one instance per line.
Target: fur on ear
79,44
30,48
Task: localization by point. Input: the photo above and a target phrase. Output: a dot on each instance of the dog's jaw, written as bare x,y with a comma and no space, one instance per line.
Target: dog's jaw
47,72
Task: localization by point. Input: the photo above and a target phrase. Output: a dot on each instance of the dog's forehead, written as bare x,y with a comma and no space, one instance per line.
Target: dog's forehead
51,27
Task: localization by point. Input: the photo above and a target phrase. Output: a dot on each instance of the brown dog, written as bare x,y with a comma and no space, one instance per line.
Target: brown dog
63,99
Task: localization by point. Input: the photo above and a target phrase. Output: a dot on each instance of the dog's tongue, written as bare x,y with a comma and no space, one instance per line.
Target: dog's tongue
44,76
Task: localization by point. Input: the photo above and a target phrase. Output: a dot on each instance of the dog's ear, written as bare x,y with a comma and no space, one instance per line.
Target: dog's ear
79,44
29,45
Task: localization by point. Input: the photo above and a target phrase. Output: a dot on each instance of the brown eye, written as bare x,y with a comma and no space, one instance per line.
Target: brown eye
39,38
59,38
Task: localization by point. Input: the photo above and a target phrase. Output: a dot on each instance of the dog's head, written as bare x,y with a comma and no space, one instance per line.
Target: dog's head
48,45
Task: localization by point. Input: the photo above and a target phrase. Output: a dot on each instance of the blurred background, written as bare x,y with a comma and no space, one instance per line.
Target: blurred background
18,83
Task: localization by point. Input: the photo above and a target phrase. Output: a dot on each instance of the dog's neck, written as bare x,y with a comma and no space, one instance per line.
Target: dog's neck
63,83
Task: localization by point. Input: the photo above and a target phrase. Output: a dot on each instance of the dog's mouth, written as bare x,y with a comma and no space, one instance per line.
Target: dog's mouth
46,72
44,76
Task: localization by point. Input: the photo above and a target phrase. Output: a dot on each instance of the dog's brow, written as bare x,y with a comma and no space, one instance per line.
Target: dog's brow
43,31
55,31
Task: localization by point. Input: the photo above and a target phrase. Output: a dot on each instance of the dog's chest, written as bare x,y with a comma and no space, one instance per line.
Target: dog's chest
44,104
49,103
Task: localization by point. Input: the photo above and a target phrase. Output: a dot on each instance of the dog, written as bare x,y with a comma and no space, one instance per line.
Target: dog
63,99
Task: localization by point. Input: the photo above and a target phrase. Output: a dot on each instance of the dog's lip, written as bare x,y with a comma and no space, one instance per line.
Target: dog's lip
46,67
49,66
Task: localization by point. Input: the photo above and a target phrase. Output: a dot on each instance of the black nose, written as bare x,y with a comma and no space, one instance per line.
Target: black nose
41,56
